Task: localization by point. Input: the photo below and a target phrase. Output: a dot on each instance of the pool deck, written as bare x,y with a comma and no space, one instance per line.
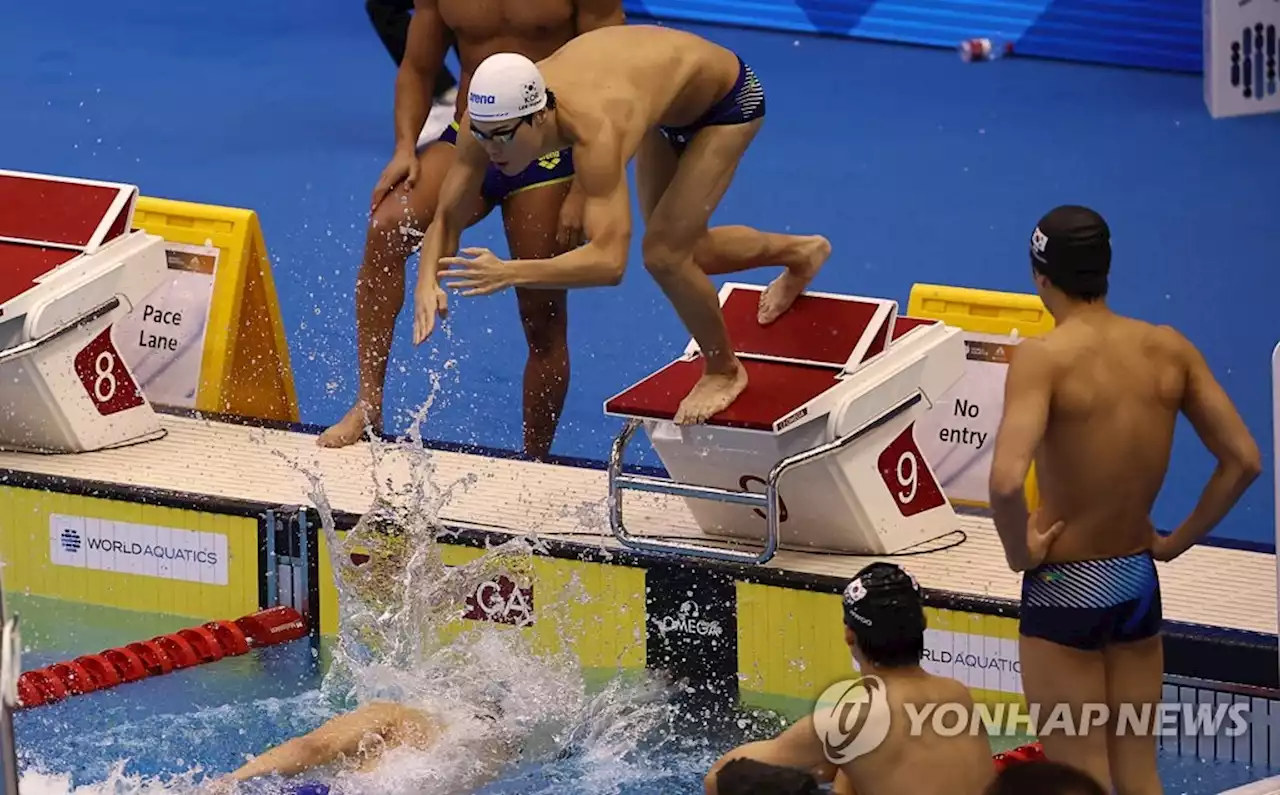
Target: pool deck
1208,586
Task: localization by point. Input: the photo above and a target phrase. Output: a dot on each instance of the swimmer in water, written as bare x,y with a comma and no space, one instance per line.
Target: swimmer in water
687,110
541,204
884,626
1095,403
359,739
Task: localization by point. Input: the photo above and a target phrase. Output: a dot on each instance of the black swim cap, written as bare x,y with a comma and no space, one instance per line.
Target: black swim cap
883,599
748,777
1071,246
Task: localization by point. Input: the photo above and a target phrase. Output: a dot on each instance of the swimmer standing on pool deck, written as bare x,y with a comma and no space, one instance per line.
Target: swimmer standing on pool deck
541,204
687,110
1095,403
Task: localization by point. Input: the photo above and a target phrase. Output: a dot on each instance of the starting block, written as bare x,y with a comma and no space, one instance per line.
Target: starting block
836,385
71,264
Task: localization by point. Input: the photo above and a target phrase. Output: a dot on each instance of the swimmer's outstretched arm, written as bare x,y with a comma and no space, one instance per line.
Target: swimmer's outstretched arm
1219,426
1028,390
360,733
459,198
798,747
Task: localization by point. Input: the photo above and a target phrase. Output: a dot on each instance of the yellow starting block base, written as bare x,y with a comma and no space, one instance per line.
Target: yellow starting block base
993,322
244,367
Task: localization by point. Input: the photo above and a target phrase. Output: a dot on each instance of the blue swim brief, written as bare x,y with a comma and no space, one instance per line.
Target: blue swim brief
743,103
498,187
1091,604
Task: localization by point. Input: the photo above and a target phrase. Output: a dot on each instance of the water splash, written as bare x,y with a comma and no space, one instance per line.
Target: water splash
500,690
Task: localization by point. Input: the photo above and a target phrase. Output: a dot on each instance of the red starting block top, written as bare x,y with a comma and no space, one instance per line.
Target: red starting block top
789,362
48,221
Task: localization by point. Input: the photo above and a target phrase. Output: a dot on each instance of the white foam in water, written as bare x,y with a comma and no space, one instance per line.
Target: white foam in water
393,609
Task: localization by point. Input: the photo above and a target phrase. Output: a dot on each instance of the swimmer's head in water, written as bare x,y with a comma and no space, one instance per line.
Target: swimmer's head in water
749,777
506,101
1071,251
884,616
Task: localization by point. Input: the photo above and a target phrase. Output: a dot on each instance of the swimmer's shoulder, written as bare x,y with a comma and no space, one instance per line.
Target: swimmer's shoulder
1159,344
954,690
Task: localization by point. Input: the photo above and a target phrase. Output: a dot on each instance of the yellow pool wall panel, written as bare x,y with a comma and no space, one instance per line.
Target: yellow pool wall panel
595,611
791,647
127,555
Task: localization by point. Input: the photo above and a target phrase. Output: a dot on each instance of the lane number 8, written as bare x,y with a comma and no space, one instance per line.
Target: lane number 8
104,377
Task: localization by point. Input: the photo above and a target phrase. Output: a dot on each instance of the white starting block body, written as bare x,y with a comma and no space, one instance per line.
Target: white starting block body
70,265
831,369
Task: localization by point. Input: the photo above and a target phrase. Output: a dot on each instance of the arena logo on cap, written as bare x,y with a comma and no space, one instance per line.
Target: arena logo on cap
481,99
852,718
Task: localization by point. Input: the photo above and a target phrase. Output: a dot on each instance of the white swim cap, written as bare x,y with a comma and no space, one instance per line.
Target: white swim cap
505,86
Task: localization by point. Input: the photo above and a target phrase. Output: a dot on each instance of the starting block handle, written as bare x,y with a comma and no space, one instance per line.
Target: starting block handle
21,349
768,500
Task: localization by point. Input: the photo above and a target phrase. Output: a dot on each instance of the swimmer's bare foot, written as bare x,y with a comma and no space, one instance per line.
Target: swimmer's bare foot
713,393
350,429
783,291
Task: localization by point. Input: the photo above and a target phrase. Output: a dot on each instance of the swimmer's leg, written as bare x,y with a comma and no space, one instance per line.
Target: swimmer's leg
675,227
729,249
1054,675
361,734
1134,677
530,217
395,231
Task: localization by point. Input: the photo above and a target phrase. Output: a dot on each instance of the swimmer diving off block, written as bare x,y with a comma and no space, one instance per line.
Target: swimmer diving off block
687,110
1095,403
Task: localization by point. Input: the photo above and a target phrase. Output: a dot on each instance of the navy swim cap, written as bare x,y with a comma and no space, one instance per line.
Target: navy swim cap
883,598
1071,246
747,777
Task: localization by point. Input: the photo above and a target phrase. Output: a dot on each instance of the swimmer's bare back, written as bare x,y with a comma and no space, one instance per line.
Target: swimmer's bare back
633,78
914,758
1115,387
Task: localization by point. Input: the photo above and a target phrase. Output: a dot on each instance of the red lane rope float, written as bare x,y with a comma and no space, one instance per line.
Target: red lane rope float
182,649
1032,752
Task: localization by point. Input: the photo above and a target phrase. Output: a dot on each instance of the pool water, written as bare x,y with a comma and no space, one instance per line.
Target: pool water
145,737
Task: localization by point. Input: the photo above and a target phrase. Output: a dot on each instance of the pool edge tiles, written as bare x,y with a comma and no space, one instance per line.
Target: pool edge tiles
129,555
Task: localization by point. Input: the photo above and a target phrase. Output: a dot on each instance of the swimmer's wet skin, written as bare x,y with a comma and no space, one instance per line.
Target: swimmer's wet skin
884,626
687,110
1091,614
359,738
406,197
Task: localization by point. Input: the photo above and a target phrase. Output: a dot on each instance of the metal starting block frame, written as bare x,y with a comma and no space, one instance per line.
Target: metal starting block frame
832,371
70,265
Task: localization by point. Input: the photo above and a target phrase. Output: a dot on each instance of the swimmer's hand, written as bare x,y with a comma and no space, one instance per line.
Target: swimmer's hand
482,275
569,228
428,301
402,168
1040,539
219,786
